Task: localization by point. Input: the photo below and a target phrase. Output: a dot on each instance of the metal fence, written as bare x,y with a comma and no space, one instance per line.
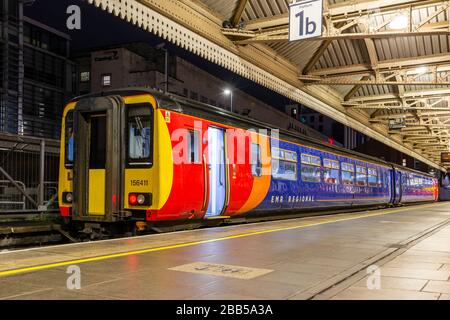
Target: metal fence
28,174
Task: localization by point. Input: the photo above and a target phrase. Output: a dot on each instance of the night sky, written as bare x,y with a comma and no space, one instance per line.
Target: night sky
99,28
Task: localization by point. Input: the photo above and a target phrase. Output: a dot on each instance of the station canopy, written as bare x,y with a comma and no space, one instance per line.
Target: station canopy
381,67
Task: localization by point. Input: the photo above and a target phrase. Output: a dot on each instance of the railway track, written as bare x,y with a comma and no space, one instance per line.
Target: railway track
30,229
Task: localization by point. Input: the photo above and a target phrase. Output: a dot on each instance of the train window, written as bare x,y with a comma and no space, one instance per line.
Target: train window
361,176
331,171
106,80
310,168
372,177
194,95
284,164
348,173
256,161
311,160
284,155
193,146
69,140
284,170
139,135
310,173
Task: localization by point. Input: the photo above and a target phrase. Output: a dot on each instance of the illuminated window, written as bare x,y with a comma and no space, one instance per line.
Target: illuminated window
106,80
139,134
331,171
194,146
310,168
348,173
256,162
373,177
69,138
85,76
361,176
284,164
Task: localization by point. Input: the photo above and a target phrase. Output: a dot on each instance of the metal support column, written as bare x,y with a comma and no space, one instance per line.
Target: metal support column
21,71
167,71
5,65
42,174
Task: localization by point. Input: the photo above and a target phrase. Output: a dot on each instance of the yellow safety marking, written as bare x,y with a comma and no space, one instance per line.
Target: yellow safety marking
189,244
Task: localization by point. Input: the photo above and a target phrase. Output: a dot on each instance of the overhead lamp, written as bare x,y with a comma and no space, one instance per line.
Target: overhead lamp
421,70
399,22
229,92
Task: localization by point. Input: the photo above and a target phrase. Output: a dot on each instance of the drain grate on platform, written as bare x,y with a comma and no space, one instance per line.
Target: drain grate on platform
222,270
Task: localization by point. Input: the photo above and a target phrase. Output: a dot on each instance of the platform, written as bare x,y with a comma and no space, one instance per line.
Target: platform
324,257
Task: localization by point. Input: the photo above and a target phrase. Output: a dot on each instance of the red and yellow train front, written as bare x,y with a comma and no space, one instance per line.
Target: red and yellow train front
124,158
116,159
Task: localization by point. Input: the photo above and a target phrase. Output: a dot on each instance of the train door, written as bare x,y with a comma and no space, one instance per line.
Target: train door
97,163
217,172
397,186
97,170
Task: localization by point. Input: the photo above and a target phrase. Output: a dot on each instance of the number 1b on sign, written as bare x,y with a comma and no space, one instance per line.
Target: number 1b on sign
305,19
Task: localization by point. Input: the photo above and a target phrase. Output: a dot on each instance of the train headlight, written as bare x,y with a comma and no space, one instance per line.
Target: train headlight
141,199
67,197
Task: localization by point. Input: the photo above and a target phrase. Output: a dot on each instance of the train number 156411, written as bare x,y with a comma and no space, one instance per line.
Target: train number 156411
139,183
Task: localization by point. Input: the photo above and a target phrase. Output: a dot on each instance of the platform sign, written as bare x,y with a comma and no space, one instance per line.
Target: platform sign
445,157
305,19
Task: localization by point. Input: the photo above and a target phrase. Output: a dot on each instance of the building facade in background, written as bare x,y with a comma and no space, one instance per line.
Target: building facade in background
141,65
342,135
37,76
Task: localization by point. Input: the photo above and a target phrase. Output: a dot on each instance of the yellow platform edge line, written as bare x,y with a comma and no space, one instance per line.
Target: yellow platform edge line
188,244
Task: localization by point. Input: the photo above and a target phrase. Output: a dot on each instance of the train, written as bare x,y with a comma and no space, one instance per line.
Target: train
138,160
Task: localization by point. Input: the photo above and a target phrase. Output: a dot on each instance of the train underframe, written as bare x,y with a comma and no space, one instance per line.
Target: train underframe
97,229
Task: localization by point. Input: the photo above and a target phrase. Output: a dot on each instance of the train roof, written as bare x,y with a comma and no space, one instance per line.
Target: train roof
183,105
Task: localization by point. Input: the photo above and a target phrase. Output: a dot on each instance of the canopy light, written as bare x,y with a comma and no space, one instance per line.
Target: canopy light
421,70
399,22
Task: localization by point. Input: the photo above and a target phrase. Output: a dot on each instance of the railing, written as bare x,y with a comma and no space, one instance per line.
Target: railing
28,176
10,197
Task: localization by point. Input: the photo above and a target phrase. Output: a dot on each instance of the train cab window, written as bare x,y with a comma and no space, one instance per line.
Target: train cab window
331,171
255,160
372,177
361,176
284,164
348,173
193,146
69,140
139,135
310,168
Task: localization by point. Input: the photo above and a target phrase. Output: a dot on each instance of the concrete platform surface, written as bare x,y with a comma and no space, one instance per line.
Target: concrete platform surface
400,253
